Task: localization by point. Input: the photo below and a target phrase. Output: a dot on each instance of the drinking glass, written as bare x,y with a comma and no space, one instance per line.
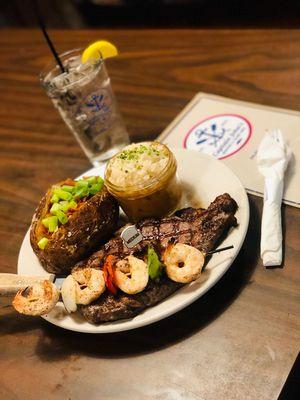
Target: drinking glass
84,98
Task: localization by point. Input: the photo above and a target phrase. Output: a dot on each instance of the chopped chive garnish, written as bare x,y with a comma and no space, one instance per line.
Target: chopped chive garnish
134,153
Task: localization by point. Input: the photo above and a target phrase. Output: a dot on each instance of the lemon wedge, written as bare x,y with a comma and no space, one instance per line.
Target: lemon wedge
100,49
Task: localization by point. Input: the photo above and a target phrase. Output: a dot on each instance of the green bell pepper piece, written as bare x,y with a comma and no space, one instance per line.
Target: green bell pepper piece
154,265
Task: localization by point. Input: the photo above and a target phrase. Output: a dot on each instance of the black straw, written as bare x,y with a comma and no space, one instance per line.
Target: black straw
219,250
48,40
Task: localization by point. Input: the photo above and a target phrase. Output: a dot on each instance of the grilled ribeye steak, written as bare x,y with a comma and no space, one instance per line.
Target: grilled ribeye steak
109,307
196,227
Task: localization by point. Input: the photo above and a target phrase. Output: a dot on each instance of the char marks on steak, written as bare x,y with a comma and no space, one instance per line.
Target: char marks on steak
196,227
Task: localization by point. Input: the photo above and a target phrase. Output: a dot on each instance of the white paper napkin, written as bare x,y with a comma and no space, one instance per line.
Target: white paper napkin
272,158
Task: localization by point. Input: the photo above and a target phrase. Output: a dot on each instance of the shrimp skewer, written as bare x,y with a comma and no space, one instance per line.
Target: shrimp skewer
89,284
183,263
10,284
82,287
131,275
38,299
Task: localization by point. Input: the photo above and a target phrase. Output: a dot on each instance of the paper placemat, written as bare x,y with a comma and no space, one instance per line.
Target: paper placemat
231,130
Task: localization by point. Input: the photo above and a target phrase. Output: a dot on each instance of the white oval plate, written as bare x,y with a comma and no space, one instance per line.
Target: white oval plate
204,176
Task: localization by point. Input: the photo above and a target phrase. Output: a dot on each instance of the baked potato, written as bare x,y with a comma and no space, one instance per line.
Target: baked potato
71,220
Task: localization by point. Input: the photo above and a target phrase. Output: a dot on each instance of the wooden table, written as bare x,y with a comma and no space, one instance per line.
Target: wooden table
240,340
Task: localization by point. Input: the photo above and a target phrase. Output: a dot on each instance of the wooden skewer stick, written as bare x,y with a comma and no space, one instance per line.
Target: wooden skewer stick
219,250
11,283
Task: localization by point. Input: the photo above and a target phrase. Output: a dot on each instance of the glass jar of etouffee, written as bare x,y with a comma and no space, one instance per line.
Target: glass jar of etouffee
143,178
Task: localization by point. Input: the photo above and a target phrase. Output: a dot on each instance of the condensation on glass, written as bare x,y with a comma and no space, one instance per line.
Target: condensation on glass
84,98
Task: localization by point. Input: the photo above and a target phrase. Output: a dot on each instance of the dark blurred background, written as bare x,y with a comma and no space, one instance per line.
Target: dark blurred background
153,13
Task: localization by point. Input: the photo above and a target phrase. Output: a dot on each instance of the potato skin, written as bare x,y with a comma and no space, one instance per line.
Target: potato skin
94,222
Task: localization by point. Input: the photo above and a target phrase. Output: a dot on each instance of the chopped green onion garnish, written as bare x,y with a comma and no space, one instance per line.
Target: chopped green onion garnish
54,199
43,243
72,204
82,183
91,180
62,194
68,188
55,207
81,192
95,188
64,205
53,223
62,217
50,223
45,222
154,265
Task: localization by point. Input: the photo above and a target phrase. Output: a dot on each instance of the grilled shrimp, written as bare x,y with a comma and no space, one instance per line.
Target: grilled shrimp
82,287
37,299
90,284
131,275
183,263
